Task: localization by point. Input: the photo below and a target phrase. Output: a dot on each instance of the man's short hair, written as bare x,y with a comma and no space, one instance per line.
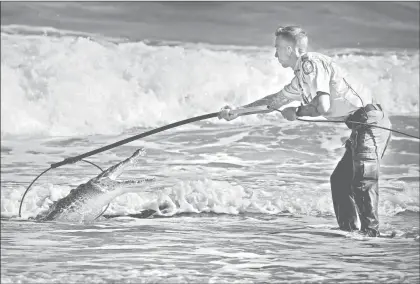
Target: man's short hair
294,34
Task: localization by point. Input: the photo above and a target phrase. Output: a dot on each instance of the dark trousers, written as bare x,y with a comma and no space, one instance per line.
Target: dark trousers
355,180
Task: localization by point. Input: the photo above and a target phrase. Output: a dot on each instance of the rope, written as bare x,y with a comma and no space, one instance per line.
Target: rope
355,122
361,123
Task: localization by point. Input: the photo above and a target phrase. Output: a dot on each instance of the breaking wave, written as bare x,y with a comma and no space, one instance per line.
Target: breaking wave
57,82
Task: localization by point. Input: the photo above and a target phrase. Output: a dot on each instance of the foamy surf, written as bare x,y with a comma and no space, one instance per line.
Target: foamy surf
206,196
133,84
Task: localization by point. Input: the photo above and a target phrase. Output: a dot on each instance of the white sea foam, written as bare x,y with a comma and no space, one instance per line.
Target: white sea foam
63,84
211,196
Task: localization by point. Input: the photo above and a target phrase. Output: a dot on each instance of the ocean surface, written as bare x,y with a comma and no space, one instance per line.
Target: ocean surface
248,200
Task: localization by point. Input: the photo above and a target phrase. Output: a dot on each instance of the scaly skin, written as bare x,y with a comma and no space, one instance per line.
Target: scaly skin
92,190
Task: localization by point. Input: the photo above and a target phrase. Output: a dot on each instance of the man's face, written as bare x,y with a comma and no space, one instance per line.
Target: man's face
283,51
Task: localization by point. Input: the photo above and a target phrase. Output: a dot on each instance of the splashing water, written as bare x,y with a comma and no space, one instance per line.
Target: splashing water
71,85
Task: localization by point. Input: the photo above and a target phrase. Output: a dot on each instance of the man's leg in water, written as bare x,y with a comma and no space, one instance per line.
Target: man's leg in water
344,204
368,149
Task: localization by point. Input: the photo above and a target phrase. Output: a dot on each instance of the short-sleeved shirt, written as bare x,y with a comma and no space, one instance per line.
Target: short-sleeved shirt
315,72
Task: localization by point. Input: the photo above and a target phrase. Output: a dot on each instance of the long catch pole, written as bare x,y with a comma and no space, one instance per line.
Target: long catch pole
75,159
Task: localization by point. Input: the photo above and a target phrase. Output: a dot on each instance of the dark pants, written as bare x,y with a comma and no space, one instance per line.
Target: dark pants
354,182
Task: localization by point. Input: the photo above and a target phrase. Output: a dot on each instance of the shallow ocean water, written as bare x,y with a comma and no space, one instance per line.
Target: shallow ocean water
243,209
249,200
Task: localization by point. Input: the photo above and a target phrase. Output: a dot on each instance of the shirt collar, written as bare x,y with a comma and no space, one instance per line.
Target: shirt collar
298,61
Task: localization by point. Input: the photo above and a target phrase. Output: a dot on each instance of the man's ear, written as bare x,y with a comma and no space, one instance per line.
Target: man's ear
289,50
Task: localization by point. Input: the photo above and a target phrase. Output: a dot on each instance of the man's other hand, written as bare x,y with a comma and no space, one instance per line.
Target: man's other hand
226,114
289,113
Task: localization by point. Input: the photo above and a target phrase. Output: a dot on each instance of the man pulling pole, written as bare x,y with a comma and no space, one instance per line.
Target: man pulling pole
326,90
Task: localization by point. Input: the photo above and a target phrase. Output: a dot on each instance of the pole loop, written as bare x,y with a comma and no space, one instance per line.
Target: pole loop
41,174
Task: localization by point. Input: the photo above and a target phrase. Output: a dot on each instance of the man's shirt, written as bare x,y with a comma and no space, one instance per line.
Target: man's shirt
315,72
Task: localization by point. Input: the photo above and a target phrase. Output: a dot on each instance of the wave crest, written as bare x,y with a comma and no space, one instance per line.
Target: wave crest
64,83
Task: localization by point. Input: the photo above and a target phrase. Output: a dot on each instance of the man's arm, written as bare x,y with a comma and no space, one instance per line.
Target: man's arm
271,101
319,106
288,94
